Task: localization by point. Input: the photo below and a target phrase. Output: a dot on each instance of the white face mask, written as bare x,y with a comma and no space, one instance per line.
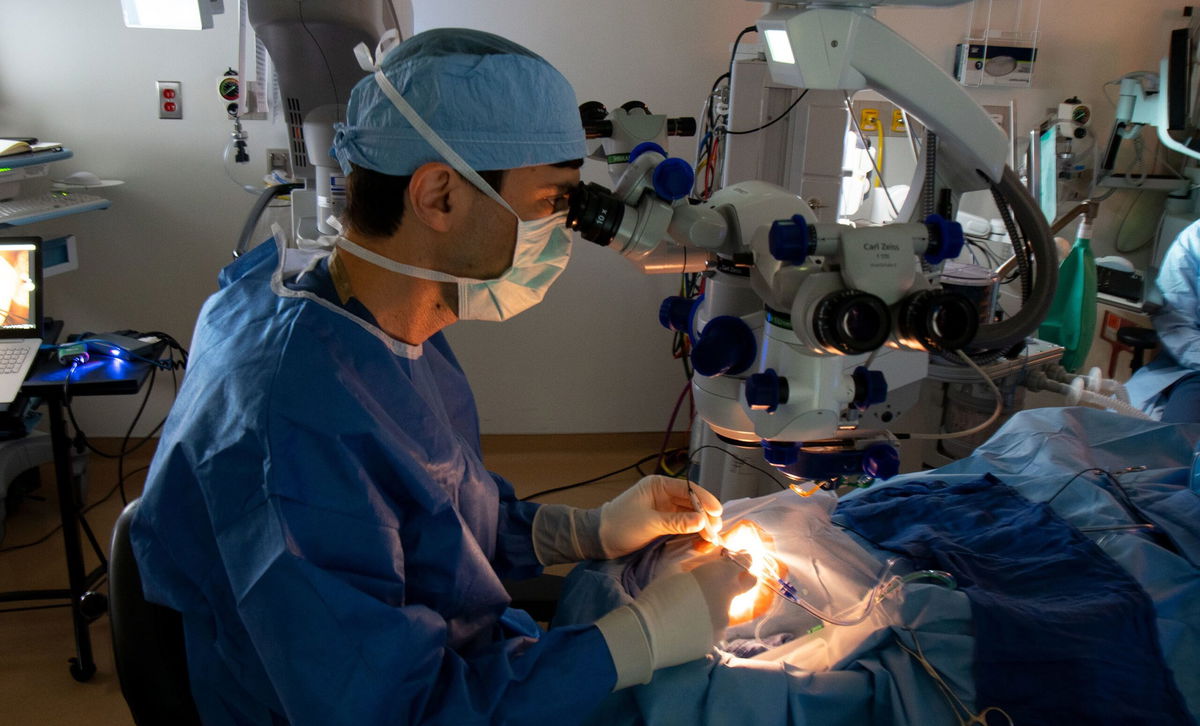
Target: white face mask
541,253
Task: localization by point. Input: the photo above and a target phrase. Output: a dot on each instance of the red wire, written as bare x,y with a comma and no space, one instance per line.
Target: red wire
662,452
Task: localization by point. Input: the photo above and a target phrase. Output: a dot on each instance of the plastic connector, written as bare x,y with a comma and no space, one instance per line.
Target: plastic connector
869,119
73,353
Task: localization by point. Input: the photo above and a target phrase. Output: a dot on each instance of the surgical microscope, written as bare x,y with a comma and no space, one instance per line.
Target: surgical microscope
795,313
788,336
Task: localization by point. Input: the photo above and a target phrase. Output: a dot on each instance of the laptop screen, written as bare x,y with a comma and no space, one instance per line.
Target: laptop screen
20,280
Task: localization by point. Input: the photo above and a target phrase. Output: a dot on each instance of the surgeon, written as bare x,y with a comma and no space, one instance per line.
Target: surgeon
1169,386
318,509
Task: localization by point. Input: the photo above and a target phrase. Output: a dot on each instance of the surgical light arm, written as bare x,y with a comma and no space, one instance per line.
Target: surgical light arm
1144,102
848,49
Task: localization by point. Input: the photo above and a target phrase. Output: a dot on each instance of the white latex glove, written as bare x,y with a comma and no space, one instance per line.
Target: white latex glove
655,506
676,619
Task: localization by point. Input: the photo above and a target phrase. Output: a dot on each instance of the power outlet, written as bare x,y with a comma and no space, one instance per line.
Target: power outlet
170,99
279,160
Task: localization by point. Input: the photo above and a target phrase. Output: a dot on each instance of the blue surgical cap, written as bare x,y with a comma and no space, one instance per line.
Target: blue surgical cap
496,103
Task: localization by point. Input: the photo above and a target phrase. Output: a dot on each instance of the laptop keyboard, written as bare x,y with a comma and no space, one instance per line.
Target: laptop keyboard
11,359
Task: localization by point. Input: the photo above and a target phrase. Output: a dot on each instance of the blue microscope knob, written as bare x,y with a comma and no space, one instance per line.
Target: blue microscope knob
780,453
673,179
726,345
881,461
677,313
791,240
870,388
946,239
765,391
643,148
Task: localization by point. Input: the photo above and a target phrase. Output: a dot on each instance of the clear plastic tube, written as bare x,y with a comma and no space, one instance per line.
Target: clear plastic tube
888,583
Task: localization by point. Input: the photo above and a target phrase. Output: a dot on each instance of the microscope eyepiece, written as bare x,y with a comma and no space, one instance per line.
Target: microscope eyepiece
938,321
595,213
852,322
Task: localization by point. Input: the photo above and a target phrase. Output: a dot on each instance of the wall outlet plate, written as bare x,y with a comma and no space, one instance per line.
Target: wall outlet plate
170,99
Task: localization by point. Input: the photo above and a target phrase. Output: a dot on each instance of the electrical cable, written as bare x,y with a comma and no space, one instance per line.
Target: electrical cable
877,160
773,121
593,480
662,451
35,607
734,456
85,510
125,449
974,429
962,713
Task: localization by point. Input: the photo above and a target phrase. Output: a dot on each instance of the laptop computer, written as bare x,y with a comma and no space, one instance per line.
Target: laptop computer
20,311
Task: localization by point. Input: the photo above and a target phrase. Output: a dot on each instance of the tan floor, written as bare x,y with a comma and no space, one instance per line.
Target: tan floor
36,687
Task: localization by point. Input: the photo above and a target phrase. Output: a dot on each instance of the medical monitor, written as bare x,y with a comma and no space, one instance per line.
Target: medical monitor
20,287
1047,170
1179,79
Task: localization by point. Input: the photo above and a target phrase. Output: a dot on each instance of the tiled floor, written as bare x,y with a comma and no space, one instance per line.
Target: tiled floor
36,688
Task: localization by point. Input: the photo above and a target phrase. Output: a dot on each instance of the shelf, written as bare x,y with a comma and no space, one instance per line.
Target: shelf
54,213
42,157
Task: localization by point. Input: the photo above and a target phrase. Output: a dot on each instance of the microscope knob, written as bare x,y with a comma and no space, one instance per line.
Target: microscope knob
881,461
766,390
677,313
781,453
673,179
945,239
791,240
644,147
726,345
870,388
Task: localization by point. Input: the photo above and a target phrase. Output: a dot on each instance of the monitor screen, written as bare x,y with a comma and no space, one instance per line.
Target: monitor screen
19,287
1048,171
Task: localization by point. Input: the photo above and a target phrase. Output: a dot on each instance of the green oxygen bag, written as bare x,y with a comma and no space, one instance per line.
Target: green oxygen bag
1071,321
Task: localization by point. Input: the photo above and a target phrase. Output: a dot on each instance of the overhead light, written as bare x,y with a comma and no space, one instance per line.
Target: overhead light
171,14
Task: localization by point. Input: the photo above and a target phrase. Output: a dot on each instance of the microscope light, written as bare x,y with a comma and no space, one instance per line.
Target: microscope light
780,46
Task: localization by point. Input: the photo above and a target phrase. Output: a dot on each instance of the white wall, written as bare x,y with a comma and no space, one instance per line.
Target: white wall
592,357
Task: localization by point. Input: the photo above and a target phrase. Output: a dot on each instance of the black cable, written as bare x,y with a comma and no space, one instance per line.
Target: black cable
82,512
732,455
1072,480
34,607
1160,538
712,93
635,465
736,42
773,121
125,450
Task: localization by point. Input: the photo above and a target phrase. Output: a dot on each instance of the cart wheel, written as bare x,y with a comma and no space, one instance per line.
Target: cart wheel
93,605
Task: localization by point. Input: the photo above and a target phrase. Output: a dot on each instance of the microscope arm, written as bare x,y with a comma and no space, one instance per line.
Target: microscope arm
841,48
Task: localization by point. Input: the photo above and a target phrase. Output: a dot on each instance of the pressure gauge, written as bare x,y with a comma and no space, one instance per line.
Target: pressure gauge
1074,118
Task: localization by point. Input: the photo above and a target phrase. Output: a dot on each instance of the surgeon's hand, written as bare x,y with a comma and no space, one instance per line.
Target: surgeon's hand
655,506
676,619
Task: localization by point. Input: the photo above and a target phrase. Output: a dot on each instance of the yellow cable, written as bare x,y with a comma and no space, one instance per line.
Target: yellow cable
879,155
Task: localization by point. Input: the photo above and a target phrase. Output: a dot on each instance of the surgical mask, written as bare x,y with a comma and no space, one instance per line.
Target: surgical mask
539,257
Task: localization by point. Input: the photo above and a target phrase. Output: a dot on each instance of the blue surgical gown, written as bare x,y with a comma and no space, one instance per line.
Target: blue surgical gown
1177,323
319,513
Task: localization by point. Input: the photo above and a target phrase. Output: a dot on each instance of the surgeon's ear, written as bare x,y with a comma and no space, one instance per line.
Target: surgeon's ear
435,192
